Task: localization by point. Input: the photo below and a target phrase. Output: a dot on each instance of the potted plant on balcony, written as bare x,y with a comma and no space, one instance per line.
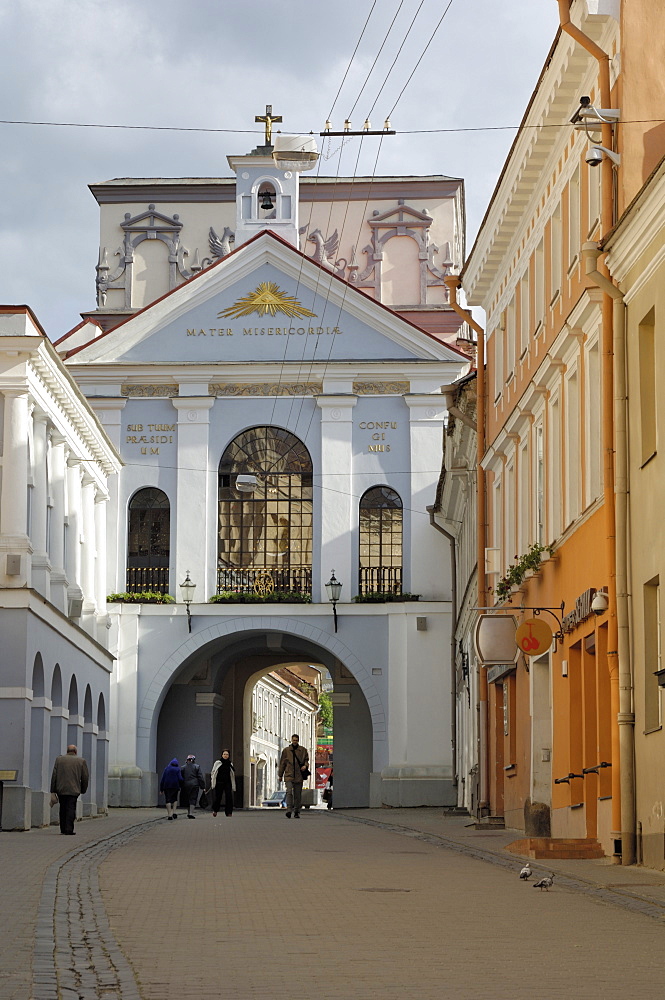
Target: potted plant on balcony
144,597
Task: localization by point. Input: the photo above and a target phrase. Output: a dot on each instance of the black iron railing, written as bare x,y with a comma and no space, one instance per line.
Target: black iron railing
141,579
380,580
265,581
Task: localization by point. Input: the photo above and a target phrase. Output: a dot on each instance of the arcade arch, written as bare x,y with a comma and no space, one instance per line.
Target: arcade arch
204,702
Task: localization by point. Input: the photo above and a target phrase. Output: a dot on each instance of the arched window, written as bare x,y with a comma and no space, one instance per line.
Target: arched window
148,542
380,542
265,514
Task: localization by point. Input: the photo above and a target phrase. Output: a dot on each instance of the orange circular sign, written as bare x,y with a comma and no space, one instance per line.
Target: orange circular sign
533,637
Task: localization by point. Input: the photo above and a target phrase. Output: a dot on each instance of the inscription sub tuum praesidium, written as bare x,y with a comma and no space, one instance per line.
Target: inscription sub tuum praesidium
149,437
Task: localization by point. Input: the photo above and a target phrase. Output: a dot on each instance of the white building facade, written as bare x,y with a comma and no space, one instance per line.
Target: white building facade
55,669
277,422
280,708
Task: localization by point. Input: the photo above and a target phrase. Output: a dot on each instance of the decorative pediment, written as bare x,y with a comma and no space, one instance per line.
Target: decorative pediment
401,215
265,302
151,221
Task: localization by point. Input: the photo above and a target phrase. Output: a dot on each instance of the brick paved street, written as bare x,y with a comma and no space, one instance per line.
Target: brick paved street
331,906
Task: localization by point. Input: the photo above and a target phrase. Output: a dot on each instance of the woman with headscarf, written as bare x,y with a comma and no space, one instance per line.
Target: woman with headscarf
223,784
192,780
170,785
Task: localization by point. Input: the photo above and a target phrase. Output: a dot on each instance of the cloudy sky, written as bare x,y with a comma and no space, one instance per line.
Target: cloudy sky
214,65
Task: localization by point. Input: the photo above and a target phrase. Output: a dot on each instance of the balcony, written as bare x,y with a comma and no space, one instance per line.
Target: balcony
142,579
265,581
380,580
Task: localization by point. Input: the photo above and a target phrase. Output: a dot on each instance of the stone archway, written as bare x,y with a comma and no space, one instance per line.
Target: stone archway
208,678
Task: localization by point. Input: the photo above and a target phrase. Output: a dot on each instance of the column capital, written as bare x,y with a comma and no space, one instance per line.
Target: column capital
425,406
192,409
57,439
13,391
39,416
336,402
73,461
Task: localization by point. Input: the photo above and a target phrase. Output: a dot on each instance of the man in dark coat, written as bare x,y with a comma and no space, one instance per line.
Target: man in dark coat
293,762
69,780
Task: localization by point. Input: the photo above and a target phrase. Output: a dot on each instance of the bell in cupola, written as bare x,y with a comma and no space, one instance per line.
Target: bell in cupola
266,201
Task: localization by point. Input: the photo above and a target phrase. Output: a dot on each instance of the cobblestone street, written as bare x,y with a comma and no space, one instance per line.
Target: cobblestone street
370,904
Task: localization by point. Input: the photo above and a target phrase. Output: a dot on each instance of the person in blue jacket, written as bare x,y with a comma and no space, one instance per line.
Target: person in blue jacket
170,785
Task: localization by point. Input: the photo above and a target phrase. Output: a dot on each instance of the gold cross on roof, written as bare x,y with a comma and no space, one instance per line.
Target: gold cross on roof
268,118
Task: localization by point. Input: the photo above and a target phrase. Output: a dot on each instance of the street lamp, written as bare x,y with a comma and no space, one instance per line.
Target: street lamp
187,588
334,588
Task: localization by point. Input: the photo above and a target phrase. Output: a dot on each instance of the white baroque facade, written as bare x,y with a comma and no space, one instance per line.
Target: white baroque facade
277,421
55,464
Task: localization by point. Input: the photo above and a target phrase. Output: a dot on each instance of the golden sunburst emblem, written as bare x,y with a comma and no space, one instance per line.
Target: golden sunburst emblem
267,299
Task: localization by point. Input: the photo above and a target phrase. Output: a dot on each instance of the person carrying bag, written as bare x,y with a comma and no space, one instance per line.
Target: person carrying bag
294,769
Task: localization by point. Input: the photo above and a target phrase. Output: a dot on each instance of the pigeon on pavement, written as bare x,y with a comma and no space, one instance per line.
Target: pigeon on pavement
545,883
526,872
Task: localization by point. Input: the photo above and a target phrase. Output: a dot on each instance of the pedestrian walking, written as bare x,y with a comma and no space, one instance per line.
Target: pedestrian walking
223,784
69,780
170,785
294,768
192,782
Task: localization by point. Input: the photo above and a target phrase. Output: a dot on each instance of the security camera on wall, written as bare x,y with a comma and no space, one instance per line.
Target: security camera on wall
595,155
600,603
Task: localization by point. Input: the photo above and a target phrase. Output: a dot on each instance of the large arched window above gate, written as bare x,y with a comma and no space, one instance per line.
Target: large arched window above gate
265,514
380,570
148,542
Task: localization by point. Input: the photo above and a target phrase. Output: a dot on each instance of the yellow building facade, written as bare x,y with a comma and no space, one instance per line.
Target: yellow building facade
636,258
557,761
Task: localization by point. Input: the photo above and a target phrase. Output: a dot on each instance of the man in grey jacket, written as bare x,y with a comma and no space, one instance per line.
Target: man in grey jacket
68,781
292,767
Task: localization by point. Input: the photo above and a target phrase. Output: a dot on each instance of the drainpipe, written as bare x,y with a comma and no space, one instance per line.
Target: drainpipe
623,787
453,282
610,314
453,669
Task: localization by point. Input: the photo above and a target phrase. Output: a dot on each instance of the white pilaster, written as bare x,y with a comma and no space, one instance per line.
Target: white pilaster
428,562
110,414
101,500
74,529
89,545
191,541
14,507
338,505
41,565
58,487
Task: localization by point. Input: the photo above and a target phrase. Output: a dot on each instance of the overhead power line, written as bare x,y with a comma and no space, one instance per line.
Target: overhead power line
251,131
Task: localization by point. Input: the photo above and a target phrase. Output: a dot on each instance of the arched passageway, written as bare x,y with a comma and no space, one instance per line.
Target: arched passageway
208,705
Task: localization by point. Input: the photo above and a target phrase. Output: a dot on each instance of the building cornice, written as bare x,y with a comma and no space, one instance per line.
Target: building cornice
543,130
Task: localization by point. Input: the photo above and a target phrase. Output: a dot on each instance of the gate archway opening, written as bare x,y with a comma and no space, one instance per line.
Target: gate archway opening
208,706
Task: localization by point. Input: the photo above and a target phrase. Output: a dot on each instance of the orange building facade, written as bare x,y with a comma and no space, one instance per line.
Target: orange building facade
558,749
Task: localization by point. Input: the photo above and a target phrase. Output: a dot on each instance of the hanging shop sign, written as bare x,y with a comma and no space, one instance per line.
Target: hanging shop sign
534,637
495,639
